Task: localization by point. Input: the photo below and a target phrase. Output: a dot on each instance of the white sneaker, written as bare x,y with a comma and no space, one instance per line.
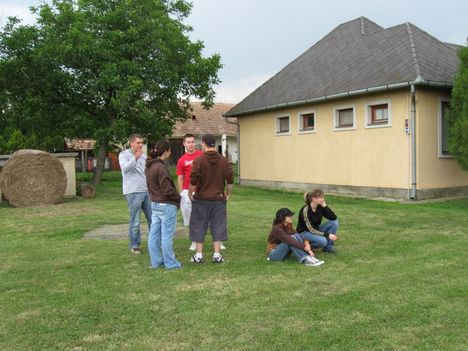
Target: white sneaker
312,262
193,247
223,247
218,259
196,259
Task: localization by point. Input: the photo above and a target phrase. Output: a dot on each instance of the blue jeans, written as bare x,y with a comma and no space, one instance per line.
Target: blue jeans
283,249
317,241
136,203
160,238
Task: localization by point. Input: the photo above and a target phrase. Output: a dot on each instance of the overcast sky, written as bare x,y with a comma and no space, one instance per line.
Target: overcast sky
256,38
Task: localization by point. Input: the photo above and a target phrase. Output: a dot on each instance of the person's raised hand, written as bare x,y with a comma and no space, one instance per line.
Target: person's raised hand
138,153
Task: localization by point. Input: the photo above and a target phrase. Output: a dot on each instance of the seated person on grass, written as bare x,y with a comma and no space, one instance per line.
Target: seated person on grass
310,222
283,240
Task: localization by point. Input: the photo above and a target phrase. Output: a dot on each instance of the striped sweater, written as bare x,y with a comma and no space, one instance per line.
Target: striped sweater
280,234
309,221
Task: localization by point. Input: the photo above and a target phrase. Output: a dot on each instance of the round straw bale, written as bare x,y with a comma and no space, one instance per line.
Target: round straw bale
33,178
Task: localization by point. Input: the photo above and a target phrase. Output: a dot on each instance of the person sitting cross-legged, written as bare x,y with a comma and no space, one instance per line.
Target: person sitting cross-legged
310,222
283,240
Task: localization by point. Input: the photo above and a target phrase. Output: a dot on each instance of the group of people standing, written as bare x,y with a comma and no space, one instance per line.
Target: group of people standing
205,183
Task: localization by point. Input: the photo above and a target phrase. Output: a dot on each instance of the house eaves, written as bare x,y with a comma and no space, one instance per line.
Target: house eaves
419,81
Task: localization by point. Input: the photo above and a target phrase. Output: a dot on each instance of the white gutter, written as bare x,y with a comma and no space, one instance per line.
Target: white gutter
413,193
417,81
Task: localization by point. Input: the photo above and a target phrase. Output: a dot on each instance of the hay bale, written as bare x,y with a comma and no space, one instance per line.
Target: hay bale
87,190
33,178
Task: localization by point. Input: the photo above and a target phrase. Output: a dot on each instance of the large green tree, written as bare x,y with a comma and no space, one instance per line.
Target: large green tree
102,69
458,113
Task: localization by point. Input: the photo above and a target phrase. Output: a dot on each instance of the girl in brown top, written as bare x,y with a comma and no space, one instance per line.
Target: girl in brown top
165,201
283,239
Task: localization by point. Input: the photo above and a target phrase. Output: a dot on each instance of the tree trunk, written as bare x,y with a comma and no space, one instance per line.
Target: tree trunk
101,161
84,161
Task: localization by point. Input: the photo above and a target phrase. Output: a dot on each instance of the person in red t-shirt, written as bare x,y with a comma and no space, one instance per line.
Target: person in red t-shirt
184,167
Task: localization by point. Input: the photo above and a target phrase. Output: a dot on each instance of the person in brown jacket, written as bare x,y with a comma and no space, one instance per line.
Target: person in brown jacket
211,182
283,240
165,201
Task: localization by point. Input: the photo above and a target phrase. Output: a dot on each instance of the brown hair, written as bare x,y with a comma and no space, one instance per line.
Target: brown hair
132,137
161,147
288,227
189,135
308,196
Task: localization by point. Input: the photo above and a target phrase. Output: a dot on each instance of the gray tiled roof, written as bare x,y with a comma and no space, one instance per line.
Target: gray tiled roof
356,55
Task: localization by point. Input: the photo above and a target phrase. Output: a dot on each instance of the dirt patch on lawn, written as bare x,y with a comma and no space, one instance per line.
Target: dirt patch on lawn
120,232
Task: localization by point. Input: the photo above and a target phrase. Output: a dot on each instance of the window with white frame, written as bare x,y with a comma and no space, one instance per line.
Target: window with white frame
283,125
307,121
443,128
344,118
378,114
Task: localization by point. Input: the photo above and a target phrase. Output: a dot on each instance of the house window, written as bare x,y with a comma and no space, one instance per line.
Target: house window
378,114
282,125
344,118
444,129
307,121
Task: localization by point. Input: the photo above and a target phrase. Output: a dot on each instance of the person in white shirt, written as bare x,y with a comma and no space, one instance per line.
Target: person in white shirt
132,163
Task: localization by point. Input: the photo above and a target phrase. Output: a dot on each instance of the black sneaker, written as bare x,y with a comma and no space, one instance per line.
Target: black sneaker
195,259
218,259
333,251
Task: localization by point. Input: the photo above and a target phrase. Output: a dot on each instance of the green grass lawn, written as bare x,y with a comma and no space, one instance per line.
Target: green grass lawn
398,283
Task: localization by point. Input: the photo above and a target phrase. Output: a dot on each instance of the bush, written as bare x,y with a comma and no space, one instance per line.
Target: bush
17,141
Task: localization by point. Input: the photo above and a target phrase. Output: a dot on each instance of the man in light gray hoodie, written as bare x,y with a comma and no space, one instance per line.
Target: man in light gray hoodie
132,163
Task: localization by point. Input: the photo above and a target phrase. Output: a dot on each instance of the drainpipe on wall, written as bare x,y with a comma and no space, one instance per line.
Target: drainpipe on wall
413,142
238,148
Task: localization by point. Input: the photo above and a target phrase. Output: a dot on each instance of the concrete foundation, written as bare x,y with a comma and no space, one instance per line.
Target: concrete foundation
372,192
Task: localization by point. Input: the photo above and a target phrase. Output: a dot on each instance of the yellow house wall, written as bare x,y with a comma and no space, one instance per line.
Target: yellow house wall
433,171
378,157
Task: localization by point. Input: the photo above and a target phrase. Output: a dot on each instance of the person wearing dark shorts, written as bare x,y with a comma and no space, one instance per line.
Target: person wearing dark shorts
211,182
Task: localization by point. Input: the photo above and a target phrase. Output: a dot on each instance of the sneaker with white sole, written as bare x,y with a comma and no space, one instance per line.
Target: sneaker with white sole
193,246
196,259
223,247
135,250
218,259
312,262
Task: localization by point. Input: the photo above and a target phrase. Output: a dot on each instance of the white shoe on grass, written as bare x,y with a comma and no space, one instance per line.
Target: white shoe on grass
218,258
312,262
223,247
197,259
193,246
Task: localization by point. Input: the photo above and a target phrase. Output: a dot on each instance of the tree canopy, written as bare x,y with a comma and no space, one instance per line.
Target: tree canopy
458,113
102,69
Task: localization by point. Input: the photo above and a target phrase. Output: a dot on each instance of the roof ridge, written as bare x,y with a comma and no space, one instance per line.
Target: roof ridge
413,50
363,31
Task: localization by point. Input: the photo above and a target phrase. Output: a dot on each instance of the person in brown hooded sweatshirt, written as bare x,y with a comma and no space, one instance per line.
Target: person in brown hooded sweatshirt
209,194
165,201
